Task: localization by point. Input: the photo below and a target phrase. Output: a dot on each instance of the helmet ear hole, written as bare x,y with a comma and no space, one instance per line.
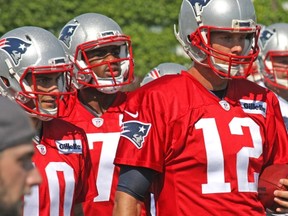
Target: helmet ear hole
189,38
5,81
28,37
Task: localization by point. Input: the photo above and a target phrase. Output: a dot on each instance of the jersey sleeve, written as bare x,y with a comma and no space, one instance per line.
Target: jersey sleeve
276,143
140,133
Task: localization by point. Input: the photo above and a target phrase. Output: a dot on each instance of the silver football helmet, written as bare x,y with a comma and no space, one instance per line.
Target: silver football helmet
30,52
91,32
161,70
274,40
198,18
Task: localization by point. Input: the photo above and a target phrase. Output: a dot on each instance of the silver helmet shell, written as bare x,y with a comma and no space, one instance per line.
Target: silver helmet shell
161,70
274,41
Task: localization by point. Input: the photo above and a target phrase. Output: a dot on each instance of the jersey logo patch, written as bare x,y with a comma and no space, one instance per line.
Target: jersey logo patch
133,115
225,105
97,122
254,107
136,132
69,146
42,149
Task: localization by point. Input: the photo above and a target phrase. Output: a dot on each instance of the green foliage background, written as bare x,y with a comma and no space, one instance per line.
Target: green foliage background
148,22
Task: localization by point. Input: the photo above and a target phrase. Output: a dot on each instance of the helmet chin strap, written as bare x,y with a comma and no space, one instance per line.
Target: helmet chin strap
255,77
283,82
42,118
51,112
225,68
110,89
221,67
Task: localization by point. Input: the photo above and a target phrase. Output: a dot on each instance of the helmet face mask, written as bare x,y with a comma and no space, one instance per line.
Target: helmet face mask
255,74
90,51
93,55
207,17
276,67
229,63
42,59
274,52
36,86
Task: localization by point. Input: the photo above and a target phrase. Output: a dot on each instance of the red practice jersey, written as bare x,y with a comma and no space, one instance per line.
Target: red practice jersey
208,152
103,134
63,160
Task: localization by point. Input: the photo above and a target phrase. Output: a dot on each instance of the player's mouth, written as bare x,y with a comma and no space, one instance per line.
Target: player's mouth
50,104
114,72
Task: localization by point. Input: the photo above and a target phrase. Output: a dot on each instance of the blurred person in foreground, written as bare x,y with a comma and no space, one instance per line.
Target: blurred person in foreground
200,139
17,173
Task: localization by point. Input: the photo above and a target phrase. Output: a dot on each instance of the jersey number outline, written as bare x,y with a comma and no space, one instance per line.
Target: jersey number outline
106,167
31,206
215,161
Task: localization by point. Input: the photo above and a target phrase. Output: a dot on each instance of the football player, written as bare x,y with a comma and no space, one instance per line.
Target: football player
199,140
36,73
274,40
103,60
161,70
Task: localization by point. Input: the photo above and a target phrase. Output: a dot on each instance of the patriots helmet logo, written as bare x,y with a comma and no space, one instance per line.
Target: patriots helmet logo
265,36
198,5
136,132
66,34
15,48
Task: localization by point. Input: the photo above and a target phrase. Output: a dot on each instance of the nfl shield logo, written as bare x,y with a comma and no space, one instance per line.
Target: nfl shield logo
97,122
42,149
